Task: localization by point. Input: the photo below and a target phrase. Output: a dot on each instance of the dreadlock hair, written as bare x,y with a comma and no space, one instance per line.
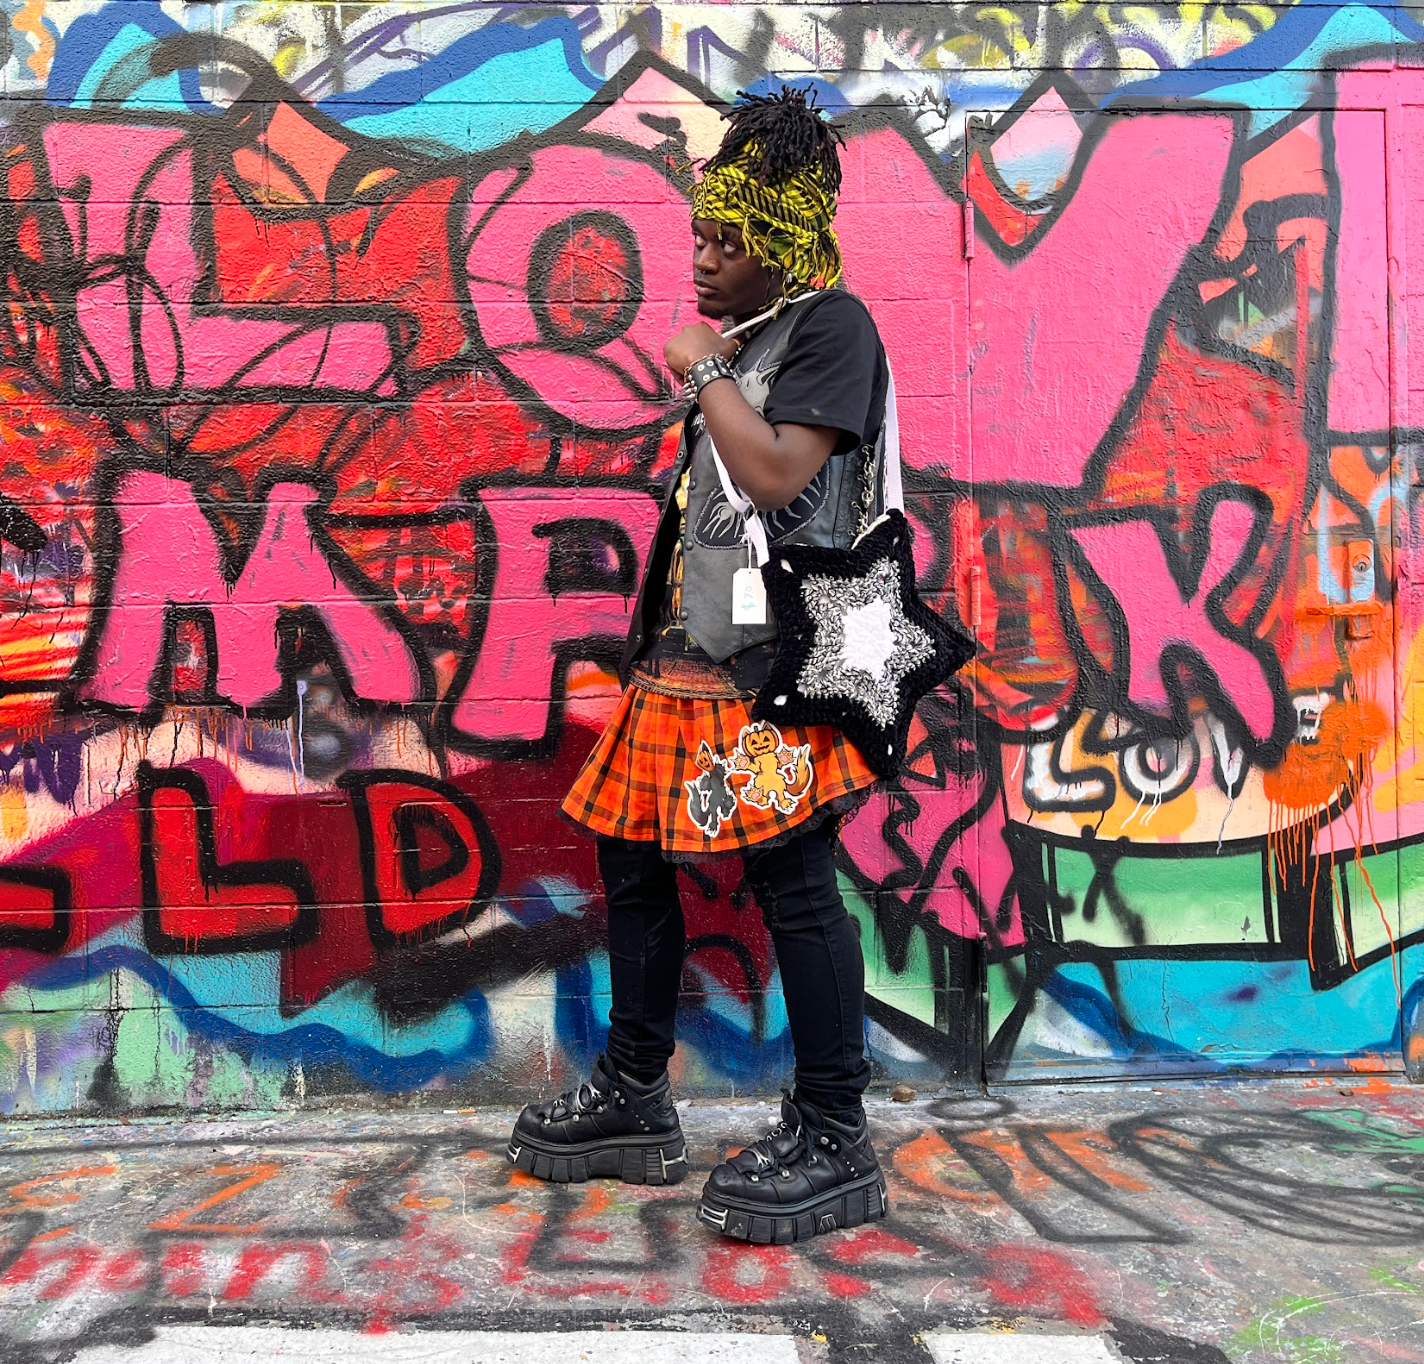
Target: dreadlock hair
775,136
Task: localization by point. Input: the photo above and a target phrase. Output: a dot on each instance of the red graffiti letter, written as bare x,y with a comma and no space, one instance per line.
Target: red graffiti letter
428,858
195,903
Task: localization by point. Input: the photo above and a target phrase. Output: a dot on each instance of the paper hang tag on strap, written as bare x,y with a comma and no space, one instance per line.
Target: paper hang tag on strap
748,597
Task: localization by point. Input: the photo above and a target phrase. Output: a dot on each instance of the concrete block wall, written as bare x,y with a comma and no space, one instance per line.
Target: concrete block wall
332,427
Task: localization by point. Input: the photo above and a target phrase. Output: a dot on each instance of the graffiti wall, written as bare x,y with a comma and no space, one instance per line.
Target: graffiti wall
332,427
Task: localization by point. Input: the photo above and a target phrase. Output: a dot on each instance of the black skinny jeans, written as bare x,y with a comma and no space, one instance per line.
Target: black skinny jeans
817,948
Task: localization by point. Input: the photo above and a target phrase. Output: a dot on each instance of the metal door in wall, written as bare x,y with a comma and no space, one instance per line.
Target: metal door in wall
1366,927
1181,585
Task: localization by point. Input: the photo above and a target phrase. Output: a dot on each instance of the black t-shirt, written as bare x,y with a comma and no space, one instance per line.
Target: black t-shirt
832,373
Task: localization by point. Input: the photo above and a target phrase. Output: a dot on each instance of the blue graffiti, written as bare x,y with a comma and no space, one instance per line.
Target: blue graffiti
344,1027
1214,1011
1282,72
493,69
114,56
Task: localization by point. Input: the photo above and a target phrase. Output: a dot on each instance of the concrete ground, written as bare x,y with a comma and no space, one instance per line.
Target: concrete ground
1243,1222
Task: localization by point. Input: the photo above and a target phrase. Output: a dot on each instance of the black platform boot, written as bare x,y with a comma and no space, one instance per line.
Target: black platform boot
809,1174
608,1127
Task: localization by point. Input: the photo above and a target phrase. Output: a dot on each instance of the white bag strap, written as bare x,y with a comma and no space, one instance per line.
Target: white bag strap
752,529
890,474
890,477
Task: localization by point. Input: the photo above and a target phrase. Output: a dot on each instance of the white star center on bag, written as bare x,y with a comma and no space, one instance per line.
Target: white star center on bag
869,638
864,646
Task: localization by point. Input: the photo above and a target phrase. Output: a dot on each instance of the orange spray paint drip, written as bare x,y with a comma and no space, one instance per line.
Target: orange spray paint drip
1338,900
1333,774
1284,838
1374,731
1359,807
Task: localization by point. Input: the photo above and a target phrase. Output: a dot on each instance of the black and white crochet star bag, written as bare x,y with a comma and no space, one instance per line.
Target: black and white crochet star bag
857,647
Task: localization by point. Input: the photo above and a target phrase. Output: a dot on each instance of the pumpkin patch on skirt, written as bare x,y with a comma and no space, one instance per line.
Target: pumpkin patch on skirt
699,776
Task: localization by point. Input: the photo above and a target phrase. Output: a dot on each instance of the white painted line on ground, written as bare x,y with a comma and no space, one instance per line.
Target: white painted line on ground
1004,1348
246,1344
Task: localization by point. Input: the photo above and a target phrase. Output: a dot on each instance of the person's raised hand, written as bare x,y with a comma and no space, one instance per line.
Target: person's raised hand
693,343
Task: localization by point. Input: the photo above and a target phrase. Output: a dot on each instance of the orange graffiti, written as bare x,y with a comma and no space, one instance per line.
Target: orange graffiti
252,1176
1310,775
925,1162
25,1201
1091,1150
31,20
1028,1179
1336,766
596,1200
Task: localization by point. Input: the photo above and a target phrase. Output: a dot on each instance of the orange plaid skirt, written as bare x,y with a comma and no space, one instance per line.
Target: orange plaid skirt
699,777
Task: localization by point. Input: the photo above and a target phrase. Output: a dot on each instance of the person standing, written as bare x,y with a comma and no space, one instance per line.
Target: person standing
793,403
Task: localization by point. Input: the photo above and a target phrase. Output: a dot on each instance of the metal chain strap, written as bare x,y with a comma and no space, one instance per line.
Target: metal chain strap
866,500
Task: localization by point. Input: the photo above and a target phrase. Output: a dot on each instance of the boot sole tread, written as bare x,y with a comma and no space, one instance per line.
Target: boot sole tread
659,1159
849,1205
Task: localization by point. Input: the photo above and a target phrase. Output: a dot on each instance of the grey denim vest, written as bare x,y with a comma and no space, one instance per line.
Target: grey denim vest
827,513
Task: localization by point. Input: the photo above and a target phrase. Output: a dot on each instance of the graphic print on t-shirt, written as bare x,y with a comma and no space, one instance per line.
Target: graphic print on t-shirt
756,382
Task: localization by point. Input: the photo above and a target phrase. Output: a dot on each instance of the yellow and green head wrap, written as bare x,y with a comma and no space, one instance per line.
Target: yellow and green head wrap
775,177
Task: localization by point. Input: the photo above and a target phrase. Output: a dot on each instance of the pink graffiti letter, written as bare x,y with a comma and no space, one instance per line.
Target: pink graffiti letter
168,558
1049,342
565,578
1129,559
1359,346
128,196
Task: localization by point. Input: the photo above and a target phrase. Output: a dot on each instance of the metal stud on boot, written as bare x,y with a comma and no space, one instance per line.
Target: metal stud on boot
607,1128
808,1175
